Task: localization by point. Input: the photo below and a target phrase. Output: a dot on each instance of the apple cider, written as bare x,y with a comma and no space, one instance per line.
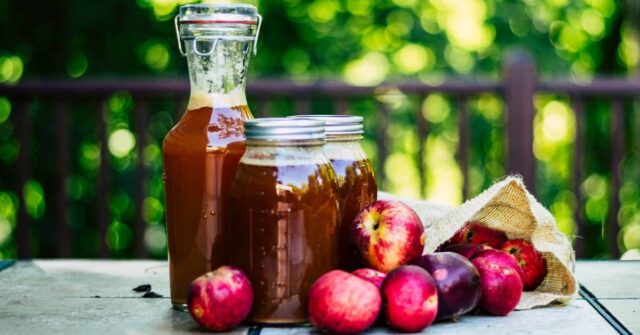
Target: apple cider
356,182
284,210
202,151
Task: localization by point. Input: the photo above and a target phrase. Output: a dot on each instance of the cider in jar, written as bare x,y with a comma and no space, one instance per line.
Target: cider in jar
284,209
355,177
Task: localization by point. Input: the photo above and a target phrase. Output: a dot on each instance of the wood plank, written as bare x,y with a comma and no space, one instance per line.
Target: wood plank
6,264
520,81
423,134
383,143
606,279
576,318
141,113
103,180
63,235
44,315
83,279
342,106
22,168
626,311
576,167
58,297
617,154
302,106
463,144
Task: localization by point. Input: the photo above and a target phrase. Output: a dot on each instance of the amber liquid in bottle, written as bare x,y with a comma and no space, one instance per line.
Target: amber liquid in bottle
284,233
356,189
200,158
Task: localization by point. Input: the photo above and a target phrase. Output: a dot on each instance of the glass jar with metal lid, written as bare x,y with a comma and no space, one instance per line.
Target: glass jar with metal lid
285,216
356,180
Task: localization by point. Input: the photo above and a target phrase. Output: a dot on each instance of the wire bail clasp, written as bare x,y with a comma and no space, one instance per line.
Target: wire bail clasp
215,39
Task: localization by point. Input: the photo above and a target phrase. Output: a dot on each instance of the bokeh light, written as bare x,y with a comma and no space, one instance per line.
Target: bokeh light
118,236
77,65
155,239
371,69
155,54
121,142
5,109
11,68
33,196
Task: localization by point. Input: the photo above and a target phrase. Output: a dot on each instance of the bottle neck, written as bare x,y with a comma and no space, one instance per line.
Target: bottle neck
217,72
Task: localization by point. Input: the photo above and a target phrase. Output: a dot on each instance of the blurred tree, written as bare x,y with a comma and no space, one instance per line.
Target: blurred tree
361,42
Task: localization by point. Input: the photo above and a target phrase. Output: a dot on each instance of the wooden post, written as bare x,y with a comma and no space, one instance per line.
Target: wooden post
520,81
64,239
23,227
612,229
141,115
103,180
577,166
463,144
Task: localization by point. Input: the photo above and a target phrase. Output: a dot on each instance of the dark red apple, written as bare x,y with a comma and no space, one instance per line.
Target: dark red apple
457,280
501,286
410,298
531,260
503,259
340,302
467,250
374,277
219,300
388,234
475,233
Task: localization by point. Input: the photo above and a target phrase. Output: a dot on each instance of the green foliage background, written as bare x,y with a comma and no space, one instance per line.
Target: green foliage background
361,42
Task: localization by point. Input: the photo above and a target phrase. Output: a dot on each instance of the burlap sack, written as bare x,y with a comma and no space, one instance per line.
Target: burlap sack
508,206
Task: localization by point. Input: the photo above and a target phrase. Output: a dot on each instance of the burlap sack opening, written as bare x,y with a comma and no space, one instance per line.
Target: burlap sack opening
508,206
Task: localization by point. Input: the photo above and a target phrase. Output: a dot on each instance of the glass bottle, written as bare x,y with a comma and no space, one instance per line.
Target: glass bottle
202,151
285,216
356,181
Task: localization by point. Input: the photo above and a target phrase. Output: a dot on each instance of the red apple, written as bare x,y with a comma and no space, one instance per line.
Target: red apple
340,302
475,233
467,250
410,298
501,286
457,280
503,259
374,277
388,234
221,299
531,260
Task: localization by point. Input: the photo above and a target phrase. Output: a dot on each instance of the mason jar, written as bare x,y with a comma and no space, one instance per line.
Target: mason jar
356,181
284,209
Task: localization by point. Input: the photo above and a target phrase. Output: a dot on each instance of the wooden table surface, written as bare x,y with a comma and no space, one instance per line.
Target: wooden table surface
95,297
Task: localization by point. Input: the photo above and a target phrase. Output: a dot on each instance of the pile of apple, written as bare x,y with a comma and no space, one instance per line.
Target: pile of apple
477,269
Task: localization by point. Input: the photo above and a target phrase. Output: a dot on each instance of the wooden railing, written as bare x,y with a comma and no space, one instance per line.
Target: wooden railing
518,87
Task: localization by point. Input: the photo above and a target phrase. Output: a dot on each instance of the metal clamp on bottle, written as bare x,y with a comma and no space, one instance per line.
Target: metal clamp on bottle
210,23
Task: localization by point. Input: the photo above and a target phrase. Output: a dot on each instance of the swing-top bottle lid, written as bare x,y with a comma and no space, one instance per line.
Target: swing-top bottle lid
218,14
213,22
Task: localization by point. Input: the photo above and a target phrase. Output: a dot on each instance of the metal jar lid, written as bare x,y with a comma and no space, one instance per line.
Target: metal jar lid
337,125
284,129
193,24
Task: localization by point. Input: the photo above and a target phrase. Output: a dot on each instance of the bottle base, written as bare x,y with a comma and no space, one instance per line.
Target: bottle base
277,322
180,307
